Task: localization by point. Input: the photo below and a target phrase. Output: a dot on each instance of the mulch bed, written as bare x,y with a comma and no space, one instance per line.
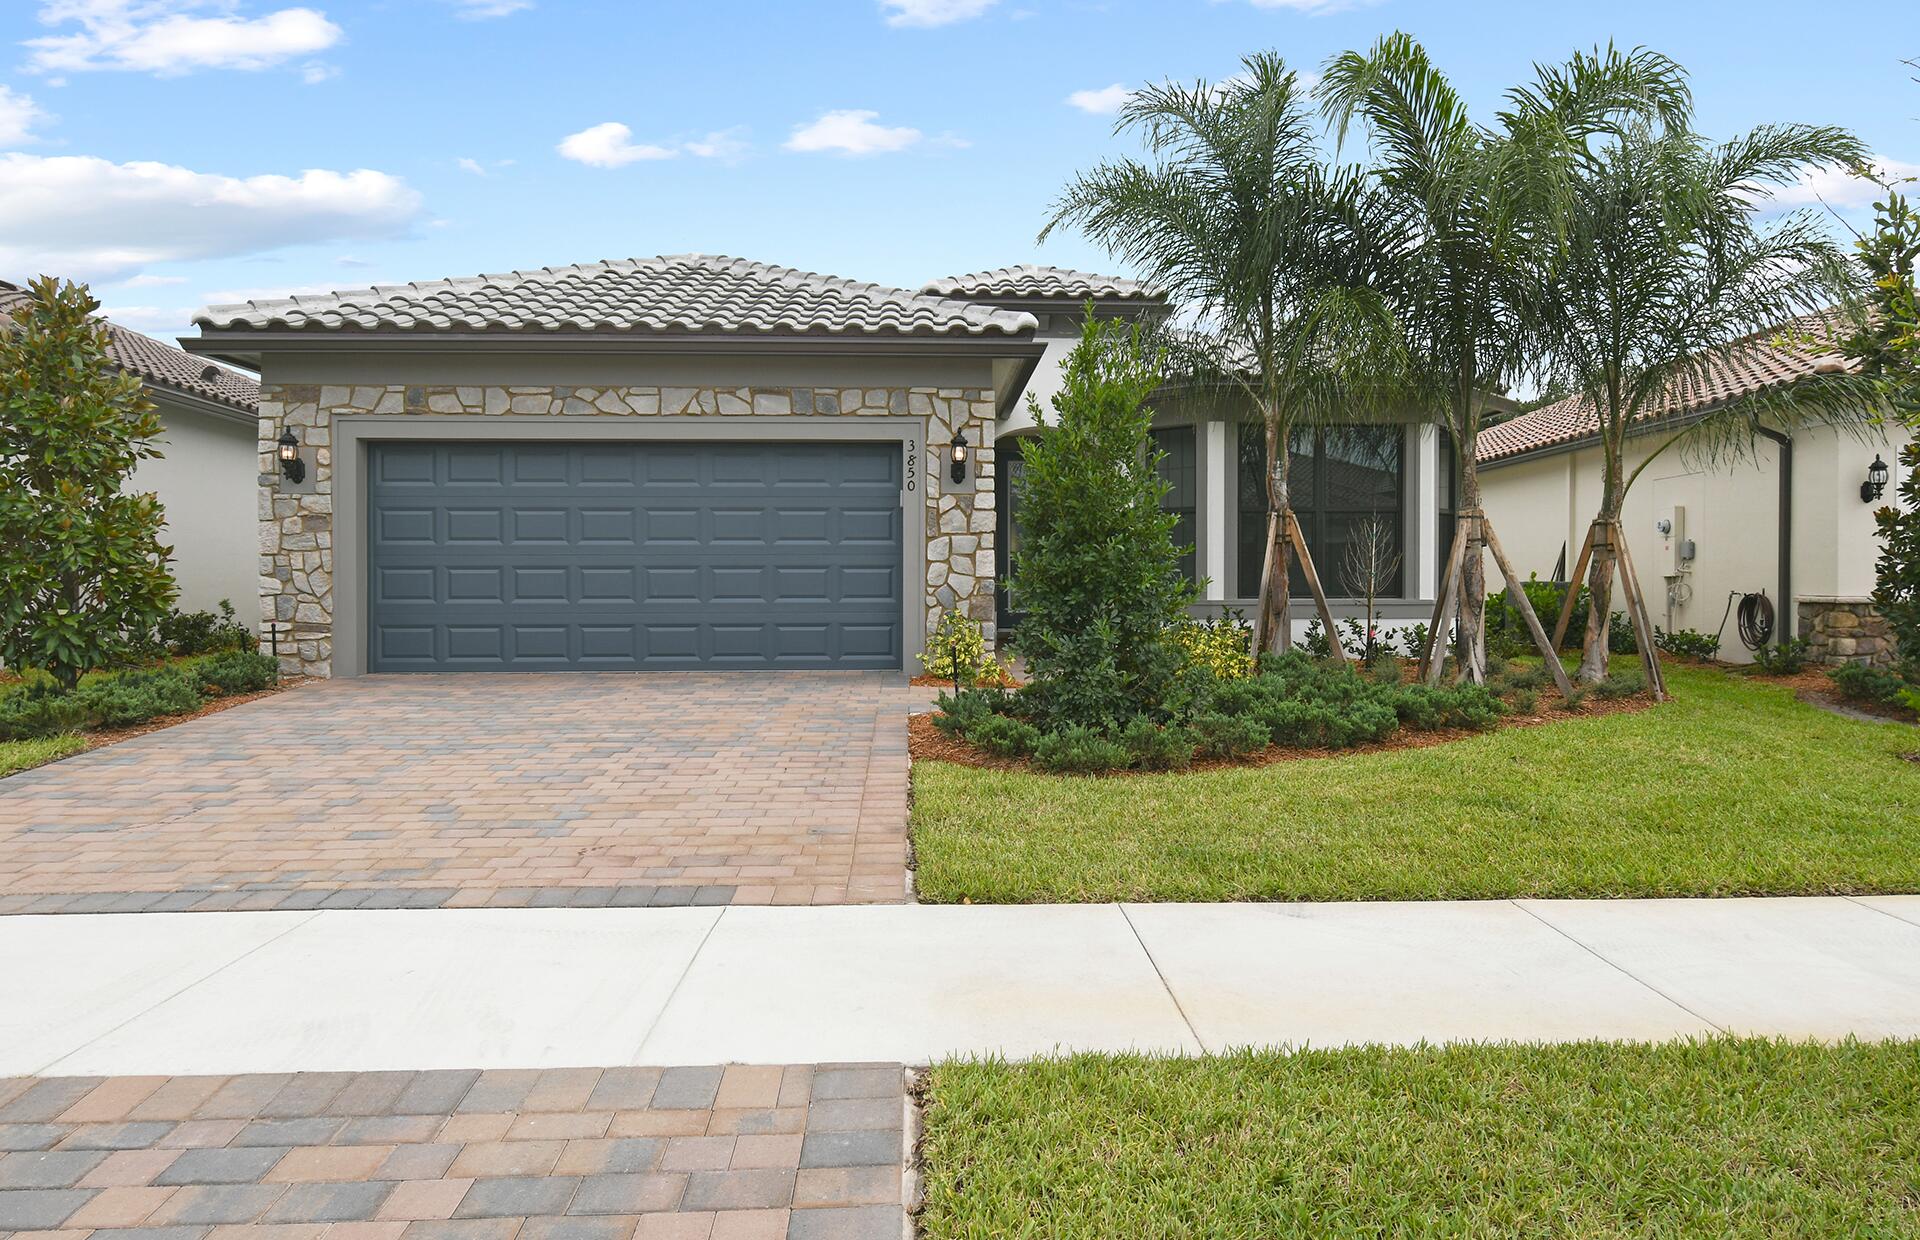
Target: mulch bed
927,743
109,736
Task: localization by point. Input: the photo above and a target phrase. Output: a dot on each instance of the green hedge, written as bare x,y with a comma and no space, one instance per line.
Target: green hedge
37,708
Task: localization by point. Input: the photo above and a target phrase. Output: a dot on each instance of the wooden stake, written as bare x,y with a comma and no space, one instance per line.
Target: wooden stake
1525,606
1436,648
1299,541
1264,620
1454,555
1642,621
1573,591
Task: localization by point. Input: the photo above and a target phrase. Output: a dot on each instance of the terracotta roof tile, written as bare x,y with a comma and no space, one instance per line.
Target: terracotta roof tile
680,293
160,364
1763,360
1033,280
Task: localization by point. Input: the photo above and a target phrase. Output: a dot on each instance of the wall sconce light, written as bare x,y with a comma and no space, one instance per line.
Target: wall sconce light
1876,484
291,466
958,469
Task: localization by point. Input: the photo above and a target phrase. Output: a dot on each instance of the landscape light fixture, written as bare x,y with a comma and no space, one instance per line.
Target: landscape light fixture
291,466
1876,484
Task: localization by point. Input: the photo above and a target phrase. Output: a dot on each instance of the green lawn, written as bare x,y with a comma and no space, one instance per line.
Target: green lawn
1723,1138
1732,788
19,755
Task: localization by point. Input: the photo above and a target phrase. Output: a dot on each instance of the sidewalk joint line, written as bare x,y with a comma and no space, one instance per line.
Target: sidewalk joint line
678,982
1618,967
1164,984
157,1004
1871,908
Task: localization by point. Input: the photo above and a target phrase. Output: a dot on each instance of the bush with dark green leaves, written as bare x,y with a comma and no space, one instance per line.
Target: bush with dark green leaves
1688,643
1157,748
204,632
1430,708
239,671
1879,686
1075,750
1097,572
1004,736
966,710
1783,658
1228,736
1621,685
127,698
39,709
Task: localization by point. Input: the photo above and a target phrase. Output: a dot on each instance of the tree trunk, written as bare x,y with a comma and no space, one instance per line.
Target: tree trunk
1274,627
1593,656
1473,579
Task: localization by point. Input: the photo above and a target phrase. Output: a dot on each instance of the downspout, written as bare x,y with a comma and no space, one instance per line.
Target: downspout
1788,608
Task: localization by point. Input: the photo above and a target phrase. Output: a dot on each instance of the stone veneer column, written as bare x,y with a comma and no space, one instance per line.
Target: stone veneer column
1844,629
296,524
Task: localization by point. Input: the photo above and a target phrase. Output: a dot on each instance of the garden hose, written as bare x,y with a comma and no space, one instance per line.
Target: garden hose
1756,618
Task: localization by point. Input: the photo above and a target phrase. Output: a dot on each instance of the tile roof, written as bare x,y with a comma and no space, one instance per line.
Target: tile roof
1033,280
161,365
679,293
1762,360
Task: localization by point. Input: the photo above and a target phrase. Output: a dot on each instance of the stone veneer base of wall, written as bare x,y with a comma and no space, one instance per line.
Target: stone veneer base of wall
296,523
1844,629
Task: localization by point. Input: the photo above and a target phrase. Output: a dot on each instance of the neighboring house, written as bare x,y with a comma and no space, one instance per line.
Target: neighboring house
205,479
1789,521
702,462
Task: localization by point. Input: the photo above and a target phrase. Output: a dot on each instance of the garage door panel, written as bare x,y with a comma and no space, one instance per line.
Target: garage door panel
505,556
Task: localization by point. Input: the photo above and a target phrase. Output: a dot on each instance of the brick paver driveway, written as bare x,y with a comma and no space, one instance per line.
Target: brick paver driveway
427,791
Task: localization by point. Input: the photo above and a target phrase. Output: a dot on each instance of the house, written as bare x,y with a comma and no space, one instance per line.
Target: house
205,479
1791,521
703,462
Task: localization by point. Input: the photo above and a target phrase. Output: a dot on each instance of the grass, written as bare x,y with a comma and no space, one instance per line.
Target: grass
17,756
1720,1138
1733,788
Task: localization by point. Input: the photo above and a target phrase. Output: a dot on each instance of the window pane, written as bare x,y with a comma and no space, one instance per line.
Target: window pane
1362,467
1179,466
1359,547
1251,501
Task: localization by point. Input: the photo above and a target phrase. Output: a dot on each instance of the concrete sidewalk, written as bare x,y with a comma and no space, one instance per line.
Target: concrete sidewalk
172,994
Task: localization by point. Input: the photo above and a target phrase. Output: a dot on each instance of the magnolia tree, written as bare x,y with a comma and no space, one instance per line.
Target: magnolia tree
81,563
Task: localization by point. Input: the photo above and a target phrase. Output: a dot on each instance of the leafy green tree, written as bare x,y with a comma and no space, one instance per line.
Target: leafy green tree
1658,276
1097,572
81,563
1237,216
1473,205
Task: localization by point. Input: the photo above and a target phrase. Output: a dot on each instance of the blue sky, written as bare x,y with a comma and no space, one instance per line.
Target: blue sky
174,152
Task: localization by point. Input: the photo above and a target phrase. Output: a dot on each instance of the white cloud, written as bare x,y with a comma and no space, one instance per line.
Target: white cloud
87,217
170,37
609,145
933,12
161,321
146,281
482,10
851,131
18,115
1103,102
471,165
726,145
315,72
1838,188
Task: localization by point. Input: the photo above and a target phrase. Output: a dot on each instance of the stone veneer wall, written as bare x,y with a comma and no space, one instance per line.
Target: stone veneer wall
1844,629
296,529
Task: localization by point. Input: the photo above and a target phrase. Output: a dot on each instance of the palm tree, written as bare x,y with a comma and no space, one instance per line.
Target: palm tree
1659,278
1475,204
1237,215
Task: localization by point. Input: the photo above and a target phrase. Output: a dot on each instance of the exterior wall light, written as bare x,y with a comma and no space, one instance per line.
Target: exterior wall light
1876,484
958,469
291,466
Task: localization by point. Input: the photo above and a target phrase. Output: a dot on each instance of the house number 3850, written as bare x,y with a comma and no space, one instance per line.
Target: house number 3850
913,464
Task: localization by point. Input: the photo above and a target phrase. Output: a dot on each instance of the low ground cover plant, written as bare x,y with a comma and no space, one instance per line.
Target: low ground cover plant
1896,686
37,707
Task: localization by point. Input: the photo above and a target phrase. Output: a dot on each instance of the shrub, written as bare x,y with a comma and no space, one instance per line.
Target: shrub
239,671
1314,641
1158,748
1076,750
1688,643
126,698
1525,701
1220,644
957,650
1430,707
1005,737
1783,658
37,710
1872,684
960,713
1097,573
1386,669
1897,572
1228,736
204,632
81,562
1532,676
1573,701
1621,685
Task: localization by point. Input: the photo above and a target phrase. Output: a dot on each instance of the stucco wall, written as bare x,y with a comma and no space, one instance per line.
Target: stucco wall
1541,504
296,524
205,482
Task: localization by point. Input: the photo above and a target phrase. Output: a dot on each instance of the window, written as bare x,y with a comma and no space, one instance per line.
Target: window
1179,451
1341,476
1009,463
1448,497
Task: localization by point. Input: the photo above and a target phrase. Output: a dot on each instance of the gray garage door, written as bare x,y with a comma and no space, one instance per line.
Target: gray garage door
598,556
